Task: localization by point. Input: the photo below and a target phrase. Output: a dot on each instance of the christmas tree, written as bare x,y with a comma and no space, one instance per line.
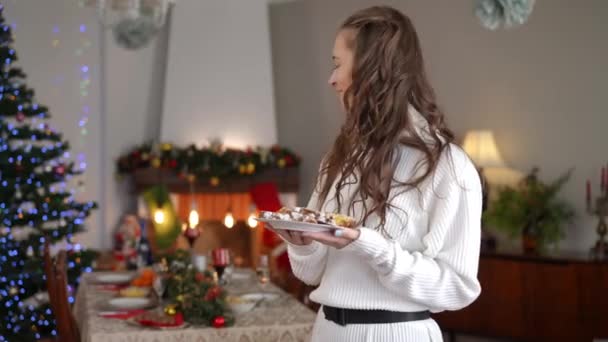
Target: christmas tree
36,203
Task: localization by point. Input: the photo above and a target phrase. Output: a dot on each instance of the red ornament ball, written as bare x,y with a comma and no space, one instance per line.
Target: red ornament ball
219,322
20,117
60,170
213,293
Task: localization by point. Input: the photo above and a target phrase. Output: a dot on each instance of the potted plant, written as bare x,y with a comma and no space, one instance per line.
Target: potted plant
532,211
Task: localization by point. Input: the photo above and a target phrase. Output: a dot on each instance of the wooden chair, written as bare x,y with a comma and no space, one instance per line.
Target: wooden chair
57,283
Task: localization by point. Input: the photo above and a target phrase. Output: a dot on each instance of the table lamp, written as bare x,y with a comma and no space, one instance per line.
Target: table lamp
481,147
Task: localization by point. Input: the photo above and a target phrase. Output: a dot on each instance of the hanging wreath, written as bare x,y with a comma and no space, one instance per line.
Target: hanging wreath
494,14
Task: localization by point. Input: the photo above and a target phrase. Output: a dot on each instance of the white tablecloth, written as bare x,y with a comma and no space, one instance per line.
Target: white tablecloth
283,320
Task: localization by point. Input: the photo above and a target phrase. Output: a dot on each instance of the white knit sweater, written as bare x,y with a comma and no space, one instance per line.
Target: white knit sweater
431,261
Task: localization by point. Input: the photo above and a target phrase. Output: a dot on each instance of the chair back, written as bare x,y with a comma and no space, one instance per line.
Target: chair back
57,286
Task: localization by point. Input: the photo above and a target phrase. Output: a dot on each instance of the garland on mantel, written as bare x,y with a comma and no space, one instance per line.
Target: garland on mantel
212,162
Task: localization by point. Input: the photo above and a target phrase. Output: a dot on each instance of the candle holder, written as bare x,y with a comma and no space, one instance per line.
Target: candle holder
600,249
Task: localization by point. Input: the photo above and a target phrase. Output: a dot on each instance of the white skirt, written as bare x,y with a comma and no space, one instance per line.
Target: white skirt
414,331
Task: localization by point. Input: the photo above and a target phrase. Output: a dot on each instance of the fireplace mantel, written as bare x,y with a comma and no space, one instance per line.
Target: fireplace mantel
287,181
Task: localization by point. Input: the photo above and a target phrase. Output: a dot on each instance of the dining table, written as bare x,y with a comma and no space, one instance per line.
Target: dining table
281,319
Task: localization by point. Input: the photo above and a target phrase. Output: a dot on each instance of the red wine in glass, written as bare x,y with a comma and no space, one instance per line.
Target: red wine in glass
220,258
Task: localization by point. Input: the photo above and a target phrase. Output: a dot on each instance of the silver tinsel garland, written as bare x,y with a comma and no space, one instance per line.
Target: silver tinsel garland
494,14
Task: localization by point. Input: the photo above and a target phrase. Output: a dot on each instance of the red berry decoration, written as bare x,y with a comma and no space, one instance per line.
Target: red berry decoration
219,322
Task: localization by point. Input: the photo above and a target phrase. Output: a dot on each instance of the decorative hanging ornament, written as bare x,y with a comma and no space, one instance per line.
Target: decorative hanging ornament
506,13
20,117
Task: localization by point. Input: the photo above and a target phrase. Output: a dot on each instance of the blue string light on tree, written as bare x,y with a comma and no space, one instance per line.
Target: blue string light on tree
32,178
494,14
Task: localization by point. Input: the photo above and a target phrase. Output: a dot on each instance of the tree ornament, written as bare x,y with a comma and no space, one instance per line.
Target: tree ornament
156,163
214,181
506,13
281,163
213,293
60,170
170,309
219,322
20,117
250,168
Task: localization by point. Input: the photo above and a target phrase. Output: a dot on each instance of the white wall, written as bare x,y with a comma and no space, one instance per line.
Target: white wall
134,86
52,51
540,88
124,95
219,76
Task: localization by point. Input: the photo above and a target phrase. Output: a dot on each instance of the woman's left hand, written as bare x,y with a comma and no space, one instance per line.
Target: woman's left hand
337,238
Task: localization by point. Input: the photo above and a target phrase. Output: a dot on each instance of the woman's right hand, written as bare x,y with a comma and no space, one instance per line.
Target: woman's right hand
291,236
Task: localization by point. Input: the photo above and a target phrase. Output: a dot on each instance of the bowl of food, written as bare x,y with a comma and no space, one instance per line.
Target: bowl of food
241,304
134,292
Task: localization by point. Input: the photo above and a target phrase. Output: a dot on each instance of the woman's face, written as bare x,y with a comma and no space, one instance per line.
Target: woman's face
342,56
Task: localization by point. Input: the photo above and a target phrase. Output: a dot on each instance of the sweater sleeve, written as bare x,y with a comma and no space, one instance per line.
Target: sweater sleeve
443,275
308,261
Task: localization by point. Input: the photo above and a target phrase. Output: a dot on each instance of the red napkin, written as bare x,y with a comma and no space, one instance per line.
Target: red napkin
178,320
122,314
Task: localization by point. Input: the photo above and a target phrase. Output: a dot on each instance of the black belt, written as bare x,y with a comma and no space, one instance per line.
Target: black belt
353,316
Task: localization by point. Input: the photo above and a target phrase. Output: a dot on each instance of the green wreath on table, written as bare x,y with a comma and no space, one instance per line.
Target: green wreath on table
195,294
211,162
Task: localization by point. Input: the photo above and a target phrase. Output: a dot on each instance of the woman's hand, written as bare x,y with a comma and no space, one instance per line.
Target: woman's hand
337,238
291,236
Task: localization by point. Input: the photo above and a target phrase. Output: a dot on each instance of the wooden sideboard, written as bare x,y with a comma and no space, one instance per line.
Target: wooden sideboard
557,297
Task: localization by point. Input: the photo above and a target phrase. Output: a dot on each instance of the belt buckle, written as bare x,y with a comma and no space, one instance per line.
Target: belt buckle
341,317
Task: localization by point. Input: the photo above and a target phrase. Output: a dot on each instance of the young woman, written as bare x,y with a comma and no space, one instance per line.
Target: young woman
415,195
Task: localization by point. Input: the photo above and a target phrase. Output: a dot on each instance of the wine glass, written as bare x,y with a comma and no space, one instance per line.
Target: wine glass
160,281
263,272
220,258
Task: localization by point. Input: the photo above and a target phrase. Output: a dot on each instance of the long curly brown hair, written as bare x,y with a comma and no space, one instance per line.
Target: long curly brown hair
388,76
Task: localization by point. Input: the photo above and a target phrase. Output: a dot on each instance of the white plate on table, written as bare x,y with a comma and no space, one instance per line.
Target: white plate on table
258,296
130,303
113,278
299,226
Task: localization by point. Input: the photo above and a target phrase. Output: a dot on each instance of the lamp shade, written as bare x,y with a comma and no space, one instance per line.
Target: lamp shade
481,147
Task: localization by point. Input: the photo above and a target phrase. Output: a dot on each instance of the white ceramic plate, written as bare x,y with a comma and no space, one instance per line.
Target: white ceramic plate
295,225
257,296
113,278
130,303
